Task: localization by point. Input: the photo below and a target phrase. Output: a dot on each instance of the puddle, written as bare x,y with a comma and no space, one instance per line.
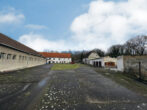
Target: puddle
25,87
43,82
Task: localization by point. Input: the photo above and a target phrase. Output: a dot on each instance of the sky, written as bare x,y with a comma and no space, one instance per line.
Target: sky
73,24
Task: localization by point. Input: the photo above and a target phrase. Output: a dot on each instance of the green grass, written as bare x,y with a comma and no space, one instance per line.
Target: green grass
65,66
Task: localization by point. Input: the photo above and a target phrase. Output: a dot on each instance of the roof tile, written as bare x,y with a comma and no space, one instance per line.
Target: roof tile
56,55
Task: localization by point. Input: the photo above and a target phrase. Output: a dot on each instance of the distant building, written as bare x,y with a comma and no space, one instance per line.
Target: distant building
57,57
95,60
93,55
14,55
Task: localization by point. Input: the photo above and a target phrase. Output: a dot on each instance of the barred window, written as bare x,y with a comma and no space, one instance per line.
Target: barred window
2,55
9,56
14,57
20,57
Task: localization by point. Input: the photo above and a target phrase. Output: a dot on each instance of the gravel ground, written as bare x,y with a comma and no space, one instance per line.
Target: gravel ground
85,89
18,89
39,88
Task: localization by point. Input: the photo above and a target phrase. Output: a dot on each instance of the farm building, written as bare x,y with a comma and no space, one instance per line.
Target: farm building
14,55
106,62
131,64
95,60
57,57
91,57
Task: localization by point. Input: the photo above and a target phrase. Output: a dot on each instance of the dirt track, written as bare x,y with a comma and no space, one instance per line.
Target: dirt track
85,89
19,89
79,89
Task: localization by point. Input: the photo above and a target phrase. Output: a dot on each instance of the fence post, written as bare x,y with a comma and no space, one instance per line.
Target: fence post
140,76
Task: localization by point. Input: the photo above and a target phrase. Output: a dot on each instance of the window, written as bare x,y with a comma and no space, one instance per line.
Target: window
14,57
20,57
9,56
2,55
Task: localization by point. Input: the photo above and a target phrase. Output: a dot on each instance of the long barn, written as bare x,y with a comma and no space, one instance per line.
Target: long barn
14,55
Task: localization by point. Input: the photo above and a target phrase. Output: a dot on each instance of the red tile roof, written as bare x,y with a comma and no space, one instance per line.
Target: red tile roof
6,41
56,55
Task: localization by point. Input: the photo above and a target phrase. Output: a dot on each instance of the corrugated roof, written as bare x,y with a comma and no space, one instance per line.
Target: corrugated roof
56,55
6,41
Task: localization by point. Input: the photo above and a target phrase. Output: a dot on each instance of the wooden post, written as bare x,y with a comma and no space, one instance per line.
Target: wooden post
140,77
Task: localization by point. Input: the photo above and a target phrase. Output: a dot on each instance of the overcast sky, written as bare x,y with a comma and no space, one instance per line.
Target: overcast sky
73,24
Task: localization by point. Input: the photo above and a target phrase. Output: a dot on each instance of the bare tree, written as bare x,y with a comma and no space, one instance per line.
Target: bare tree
137,45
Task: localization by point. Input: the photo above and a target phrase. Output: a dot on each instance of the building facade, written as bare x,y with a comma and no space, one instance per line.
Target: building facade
14,55
91,57
95,60
106,62
57,57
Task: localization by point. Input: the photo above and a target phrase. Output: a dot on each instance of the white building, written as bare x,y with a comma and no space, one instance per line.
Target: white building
106,62
91,57
57,57
95,60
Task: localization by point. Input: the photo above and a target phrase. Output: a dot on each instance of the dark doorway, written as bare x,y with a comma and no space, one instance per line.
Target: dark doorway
96,64
100,64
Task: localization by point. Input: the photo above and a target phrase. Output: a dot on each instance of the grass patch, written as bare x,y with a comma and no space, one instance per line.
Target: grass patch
65,66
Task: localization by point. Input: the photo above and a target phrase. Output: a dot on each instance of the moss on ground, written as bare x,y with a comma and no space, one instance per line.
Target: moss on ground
126,79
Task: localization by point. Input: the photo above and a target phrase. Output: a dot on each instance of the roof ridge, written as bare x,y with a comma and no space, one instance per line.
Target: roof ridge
13,43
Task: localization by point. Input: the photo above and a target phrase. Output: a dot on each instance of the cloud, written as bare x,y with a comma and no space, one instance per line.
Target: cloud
105,23
11,16
40,43
35,27
109,22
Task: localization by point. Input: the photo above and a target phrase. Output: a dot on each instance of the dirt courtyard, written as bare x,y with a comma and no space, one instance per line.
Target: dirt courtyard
82,88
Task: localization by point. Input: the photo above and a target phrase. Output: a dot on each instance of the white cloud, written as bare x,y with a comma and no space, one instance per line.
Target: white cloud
11,16
40,43
104,24
108,23
35,27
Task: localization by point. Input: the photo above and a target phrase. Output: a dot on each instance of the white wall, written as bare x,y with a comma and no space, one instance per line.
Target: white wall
93,55
91,62
120,63
59,60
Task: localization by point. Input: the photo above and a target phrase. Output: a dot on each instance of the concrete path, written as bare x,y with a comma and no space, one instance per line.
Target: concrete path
85,89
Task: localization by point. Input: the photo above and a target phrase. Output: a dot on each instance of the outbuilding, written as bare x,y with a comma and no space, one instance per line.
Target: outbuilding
106,62
91,57
14,55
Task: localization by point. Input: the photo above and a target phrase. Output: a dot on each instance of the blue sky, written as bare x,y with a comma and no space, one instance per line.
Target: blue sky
72,24
56,15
